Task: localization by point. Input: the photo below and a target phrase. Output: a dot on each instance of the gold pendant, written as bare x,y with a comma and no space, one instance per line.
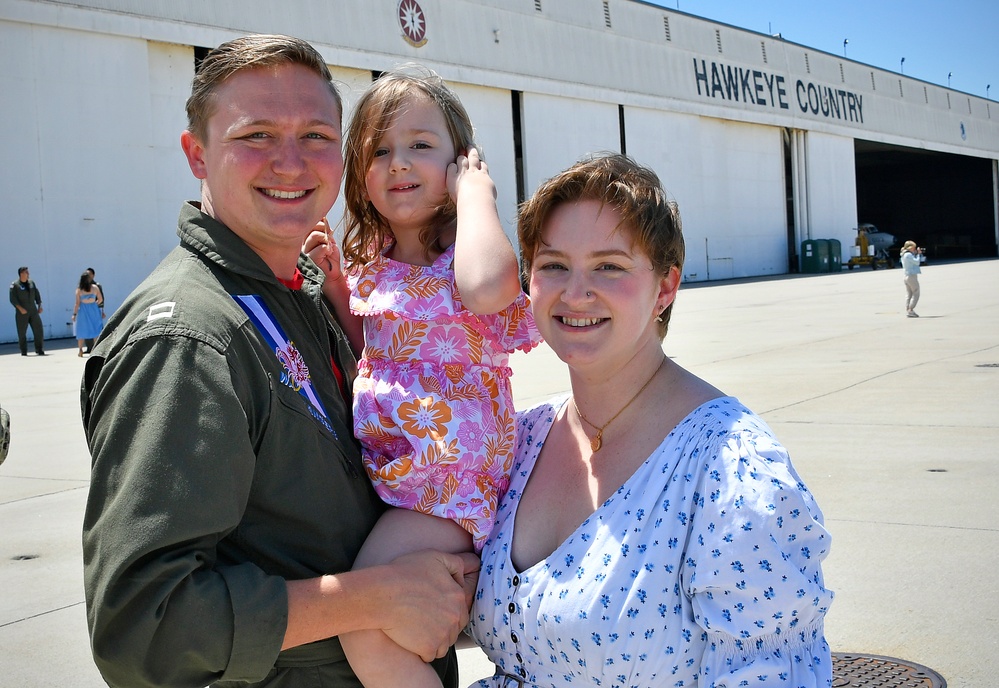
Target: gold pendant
596,442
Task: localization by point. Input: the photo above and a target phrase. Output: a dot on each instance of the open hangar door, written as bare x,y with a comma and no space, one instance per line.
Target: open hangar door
943,202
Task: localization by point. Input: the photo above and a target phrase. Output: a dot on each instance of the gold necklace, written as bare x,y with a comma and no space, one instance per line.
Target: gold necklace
597,441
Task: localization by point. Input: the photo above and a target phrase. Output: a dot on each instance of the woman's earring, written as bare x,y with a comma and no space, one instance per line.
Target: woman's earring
659,318
589,294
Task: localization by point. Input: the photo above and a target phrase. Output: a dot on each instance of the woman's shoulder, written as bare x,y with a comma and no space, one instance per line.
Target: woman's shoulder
712,430
719,413
730,444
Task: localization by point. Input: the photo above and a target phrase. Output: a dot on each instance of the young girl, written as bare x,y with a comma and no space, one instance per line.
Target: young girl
435,281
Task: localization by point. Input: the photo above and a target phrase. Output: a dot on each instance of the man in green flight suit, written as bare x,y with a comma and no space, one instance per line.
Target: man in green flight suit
27,302
228,499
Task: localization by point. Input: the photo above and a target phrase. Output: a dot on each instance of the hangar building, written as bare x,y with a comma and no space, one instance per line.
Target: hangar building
764,143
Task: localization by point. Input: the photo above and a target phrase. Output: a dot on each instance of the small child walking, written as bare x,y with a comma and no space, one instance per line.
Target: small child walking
435,283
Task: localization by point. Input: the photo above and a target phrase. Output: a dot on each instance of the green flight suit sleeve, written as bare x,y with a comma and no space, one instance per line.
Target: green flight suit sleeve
173,468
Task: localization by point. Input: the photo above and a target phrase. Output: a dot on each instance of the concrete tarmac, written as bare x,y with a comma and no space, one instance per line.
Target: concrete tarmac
891,421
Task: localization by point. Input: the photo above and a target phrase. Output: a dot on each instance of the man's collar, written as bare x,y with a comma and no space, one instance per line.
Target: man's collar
296,281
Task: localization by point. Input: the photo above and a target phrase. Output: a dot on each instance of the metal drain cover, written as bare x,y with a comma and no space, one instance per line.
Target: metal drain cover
851,669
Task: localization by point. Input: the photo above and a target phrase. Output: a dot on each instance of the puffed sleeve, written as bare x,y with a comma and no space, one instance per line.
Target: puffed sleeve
172,473
516,328
753,568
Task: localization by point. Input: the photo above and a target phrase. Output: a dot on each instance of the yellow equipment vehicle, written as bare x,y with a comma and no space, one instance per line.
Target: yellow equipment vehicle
871,248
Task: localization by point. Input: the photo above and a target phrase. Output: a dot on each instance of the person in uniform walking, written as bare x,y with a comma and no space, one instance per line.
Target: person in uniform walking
27,301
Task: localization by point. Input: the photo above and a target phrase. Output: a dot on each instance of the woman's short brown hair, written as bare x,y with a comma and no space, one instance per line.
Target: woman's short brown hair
630,189
248,52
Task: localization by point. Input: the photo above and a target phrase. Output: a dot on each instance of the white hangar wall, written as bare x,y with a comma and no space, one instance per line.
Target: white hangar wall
620,51
728,180
492,115
93,123
558,131
351,84
831,204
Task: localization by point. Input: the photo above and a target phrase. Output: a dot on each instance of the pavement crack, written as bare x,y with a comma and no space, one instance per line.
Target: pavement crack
972,529
41,614
876,377
46,494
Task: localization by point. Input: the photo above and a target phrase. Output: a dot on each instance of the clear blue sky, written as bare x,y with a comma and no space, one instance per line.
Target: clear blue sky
936,37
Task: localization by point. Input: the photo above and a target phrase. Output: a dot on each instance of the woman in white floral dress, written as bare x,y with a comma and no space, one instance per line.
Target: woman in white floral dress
655,532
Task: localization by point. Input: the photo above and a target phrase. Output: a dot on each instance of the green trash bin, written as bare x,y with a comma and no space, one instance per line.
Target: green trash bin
835,255
815,255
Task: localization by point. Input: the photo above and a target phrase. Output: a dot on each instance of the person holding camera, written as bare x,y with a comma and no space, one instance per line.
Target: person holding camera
910,266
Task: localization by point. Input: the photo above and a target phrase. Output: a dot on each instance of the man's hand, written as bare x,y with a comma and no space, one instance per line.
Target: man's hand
432,597
419,600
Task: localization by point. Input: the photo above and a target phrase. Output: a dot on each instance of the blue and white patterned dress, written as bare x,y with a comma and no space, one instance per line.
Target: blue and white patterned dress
703,569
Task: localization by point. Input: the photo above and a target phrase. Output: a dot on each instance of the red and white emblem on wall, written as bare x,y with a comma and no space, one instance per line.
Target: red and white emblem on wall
413,22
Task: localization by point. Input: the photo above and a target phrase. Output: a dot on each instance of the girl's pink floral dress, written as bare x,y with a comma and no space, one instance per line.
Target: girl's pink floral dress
433,408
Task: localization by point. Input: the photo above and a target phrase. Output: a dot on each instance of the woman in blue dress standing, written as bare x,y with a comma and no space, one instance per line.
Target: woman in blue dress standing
87,316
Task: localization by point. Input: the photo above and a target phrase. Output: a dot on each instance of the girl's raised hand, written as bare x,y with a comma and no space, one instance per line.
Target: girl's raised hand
322,249
485,264
470,172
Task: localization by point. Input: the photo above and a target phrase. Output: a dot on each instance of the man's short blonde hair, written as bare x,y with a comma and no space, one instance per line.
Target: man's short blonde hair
248,52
